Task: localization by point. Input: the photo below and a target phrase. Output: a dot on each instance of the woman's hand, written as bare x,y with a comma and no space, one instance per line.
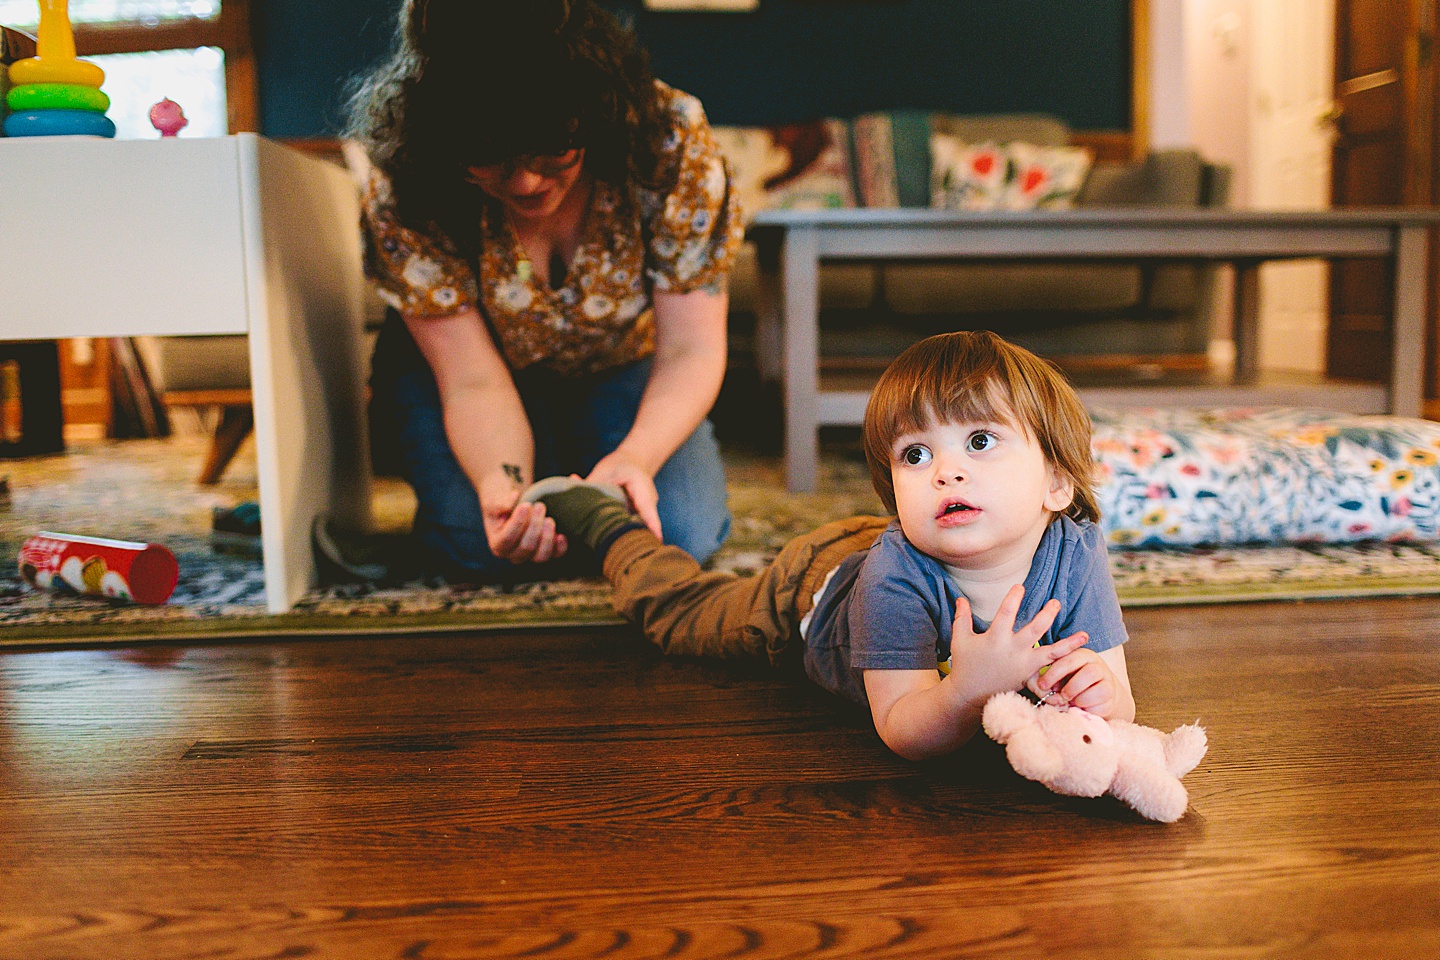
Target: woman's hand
518,532
637,482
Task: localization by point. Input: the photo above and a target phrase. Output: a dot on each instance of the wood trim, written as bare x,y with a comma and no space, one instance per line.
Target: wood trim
207,398
1140,82
1429,47
326,148
1418,78
15,45
230,31
93,40
1111,146
1421,79
242,86
242,99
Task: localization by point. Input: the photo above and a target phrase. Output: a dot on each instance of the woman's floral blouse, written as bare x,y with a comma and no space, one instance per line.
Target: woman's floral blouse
633,242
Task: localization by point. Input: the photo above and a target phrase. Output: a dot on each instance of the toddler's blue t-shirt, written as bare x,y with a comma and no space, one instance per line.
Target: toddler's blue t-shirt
892,607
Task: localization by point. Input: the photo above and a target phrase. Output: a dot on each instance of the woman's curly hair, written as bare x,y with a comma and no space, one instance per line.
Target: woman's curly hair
479,82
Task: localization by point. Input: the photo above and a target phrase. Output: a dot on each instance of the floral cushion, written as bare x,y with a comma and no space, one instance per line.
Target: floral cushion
1191,477
967,176
1013,176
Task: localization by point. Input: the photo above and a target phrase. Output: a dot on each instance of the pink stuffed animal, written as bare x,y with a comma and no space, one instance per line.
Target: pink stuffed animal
1081,755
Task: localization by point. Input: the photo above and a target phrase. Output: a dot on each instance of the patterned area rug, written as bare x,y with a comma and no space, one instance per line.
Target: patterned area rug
145,490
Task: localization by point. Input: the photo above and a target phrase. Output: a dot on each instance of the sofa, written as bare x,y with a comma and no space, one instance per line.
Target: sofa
1106,313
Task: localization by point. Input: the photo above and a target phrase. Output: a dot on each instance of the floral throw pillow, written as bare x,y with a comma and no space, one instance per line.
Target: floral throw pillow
965,176
1045,178
1184,478
1013,176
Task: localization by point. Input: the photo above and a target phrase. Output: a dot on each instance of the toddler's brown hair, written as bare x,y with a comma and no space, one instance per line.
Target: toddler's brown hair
976,376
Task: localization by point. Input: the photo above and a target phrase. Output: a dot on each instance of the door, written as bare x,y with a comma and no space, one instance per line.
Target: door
1384,137
1292,83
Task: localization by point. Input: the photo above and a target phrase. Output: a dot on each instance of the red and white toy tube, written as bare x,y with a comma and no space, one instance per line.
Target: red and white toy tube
118,569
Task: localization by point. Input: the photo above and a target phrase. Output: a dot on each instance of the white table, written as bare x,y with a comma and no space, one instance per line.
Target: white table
793,242
232,235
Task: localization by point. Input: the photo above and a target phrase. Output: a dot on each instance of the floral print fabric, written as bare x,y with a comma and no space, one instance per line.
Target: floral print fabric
634,241
1190,477
1013,176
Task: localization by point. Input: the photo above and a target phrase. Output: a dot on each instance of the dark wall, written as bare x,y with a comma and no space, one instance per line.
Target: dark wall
306,51
791,60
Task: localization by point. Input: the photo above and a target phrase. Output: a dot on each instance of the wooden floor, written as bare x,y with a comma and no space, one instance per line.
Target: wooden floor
573,795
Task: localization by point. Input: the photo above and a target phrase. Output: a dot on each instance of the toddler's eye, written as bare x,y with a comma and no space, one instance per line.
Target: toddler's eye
981,441
915,455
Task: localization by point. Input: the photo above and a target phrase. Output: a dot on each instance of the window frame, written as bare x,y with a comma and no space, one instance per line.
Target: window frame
230,32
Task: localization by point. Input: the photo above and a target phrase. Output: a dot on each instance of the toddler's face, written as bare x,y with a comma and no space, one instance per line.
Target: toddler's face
974,495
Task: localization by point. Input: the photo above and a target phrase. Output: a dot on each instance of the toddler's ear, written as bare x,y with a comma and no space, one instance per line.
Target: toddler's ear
1061,493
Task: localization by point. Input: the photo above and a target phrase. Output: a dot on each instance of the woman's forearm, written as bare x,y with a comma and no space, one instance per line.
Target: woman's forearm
689,365
485,420
682,389
489,434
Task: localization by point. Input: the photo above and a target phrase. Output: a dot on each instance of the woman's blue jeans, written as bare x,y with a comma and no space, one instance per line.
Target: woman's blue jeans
575,422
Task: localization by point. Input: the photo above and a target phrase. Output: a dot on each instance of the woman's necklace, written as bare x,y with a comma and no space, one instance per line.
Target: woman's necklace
523,269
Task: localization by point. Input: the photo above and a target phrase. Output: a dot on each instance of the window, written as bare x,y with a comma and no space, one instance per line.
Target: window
196,52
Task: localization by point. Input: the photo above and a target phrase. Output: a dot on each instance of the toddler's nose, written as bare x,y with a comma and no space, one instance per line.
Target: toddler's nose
948,475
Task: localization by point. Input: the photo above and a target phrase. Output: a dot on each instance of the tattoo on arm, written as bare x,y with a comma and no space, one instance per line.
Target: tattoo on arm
513,472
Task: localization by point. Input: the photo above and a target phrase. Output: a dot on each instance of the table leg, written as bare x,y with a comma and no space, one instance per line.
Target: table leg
800,282
768,347
307,373
1407,371
1247,321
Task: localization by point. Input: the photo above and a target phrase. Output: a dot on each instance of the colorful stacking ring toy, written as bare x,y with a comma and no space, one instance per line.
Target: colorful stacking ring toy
55,94
59,123
40,70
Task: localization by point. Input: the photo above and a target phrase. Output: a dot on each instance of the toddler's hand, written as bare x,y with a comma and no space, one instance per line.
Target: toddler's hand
1081,679
1001,658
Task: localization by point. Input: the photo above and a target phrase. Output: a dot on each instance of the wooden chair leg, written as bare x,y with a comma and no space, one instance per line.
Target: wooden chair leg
234,426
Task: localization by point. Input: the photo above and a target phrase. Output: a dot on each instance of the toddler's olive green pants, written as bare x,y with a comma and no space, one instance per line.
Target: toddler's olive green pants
687,611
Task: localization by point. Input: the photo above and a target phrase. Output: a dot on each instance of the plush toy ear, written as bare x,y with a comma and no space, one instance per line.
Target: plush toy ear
1006,714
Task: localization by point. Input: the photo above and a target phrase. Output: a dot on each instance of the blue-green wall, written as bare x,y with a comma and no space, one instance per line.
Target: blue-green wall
791,60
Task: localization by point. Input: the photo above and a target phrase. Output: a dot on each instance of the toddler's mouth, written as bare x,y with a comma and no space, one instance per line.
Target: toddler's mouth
956,509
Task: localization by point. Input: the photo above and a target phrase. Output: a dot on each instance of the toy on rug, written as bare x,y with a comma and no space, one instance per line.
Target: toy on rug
117,569
1078,754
